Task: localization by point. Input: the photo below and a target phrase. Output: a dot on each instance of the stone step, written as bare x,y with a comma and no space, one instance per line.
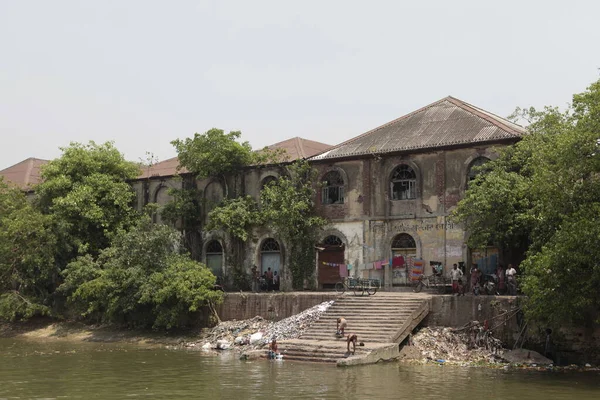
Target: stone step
390,318
379,321
329,327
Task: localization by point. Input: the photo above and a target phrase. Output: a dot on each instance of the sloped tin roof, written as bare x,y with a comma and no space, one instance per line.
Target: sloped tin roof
447,122
25,174
295,148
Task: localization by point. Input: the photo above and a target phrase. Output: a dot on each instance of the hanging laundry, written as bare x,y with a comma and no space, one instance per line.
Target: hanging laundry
349,266
378,264
343,270
398,262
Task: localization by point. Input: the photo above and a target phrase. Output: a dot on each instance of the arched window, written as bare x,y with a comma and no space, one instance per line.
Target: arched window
269,180
269,245
404,183
332,240
473,168
214,257
333,188
404,245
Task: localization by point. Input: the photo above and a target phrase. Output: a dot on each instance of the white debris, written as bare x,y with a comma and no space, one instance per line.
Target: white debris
258,332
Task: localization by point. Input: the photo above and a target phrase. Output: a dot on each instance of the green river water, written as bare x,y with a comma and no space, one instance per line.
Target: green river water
73,370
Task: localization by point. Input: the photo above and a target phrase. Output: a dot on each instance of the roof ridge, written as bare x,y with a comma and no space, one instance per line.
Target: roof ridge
384,125
300,146
486,115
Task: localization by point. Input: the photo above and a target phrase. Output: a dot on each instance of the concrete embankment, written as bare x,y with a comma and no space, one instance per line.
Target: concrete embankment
570,345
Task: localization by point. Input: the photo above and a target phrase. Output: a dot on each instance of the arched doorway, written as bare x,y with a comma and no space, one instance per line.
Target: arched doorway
403,248
331,252
270,256
214,258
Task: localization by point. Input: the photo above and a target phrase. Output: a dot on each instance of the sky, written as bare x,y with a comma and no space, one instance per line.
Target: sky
144,73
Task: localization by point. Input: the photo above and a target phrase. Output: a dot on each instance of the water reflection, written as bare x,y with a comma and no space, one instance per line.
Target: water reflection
115,371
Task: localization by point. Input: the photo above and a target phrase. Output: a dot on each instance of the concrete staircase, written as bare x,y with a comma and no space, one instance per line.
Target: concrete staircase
381,321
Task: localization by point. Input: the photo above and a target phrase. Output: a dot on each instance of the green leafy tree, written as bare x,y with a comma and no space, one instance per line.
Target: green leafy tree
543,196
219,154
214,154
27,267
288,207
185,213
142,280
87,190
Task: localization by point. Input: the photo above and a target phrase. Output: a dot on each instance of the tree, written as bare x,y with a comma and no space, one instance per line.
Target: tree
289,208
543,195
87,190
27,267
219,154
141,280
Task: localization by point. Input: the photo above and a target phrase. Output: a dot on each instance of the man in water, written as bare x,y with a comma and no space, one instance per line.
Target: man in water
352,338
341,325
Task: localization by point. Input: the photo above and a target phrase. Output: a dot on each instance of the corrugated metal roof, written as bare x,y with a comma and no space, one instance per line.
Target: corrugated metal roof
25,174
295,148
444,123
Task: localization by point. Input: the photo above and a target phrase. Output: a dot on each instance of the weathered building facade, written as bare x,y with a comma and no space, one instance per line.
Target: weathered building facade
396,187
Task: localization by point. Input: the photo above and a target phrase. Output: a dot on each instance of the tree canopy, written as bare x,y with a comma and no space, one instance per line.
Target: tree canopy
287,208
28,270
142,280
543,196
87,190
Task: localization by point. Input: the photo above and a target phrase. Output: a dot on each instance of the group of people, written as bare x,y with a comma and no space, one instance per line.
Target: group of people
268,281
504,280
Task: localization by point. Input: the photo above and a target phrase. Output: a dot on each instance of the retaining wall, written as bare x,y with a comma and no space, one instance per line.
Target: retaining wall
570,344
274,306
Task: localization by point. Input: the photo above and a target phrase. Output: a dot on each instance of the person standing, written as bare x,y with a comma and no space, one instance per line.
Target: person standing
475,276
511,277
254,277
275,281
455,274
269,278
500,275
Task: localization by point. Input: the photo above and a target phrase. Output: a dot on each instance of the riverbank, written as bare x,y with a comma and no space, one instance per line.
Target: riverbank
470,345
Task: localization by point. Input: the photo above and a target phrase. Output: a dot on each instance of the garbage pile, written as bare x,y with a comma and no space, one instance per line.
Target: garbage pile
470,344
257,332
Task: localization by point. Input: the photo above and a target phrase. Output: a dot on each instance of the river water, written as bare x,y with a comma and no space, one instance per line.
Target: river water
74,370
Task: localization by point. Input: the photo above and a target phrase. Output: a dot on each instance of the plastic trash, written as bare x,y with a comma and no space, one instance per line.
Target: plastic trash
256,337
223,344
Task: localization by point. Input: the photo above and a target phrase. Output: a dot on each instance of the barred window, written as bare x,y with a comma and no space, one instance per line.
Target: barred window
404,183
333,188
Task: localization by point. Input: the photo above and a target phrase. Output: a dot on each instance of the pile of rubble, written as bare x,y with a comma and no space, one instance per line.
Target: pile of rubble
257,332
470,344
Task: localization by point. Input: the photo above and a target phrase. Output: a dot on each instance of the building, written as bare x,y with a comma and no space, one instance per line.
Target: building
388,194
389,191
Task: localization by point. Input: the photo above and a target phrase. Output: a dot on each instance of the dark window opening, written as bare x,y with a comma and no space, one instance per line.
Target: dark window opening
404,183
333,188
474,169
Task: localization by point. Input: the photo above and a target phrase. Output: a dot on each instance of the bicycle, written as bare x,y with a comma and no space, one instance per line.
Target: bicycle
437,282
358,286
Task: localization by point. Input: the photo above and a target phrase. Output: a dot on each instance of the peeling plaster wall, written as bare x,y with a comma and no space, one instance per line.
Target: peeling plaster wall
368,219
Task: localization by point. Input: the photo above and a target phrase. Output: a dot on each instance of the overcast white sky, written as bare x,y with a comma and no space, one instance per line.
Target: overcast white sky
142,73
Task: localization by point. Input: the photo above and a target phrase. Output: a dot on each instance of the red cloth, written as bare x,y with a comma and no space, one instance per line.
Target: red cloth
398,262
